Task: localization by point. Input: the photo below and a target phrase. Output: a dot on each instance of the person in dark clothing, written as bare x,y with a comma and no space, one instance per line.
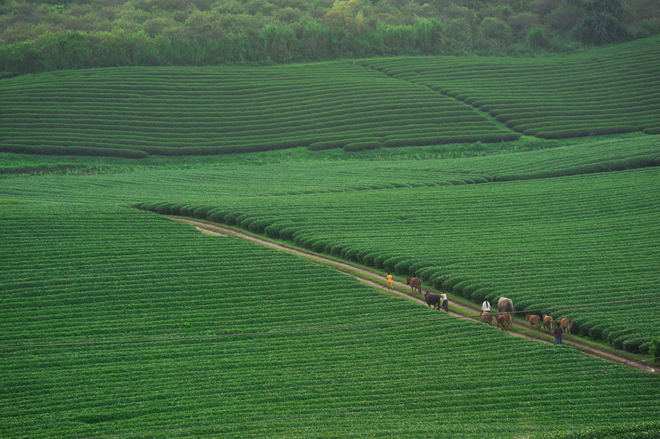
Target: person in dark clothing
559,332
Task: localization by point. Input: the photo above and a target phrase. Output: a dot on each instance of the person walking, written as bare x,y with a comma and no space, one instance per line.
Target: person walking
389,281
485,307
445,301
559,332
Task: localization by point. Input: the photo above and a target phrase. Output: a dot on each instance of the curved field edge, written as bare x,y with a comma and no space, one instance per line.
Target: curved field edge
77,273
458,306
618,242
605,91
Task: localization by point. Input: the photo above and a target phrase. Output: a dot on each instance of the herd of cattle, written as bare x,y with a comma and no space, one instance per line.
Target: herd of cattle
504,311
503,318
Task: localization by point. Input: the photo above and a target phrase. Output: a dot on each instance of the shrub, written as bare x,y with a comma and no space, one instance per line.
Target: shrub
335,249
596,332
390,264
319,246
187,210
200,212
217,215
164,209
351,254
426,273
402,267
273,230
287,233
259,226
369,259
230,218
654,349
380,260
496,29
634,345
361,254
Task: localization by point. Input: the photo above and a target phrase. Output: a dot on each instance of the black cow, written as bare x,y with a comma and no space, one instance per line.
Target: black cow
432,299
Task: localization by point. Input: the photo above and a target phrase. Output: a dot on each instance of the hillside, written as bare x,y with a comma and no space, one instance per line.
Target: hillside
120,322
134,112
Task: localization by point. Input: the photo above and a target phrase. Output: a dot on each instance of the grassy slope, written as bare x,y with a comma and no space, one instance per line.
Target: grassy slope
476,221
132,112
107,273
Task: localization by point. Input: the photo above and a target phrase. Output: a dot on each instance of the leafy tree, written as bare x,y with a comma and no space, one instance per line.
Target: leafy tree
602,23
496,29
347,15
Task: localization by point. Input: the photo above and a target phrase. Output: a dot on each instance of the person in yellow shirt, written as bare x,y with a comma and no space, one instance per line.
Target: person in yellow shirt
389,281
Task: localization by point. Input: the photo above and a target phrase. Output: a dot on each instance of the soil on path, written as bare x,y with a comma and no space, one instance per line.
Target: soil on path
587,349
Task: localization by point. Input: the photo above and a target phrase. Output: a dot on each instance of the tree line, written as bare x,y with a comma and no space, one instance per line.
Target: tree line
37,36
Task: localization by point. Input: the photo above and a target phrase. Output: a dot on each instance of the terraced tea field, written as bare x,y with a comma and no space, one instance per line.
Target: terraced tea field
234,345
134,112
614,89
190,111
545,242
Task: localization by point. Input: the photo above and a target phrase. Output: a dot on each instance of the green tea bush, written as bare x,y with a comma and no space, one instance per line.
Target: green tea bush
403,267
635,344
287,233
319,246
368,259
231,218
351,254
379,261
201,212
217,215
260,225
654,349
596,332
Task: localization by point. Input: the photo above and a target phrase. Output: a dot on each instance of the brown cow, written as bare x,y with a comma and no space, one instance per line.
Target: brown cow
503,320
566,324
415,284
533,319
487,317
547,322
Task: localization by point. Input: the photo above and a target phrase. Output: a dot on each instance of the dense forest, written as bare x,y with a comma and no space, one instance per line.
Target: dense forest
44,35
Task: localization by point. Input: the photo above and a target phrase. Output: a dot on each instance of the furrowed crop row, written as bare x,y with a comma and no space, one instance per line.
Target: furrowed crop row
629,83
367,95
310,228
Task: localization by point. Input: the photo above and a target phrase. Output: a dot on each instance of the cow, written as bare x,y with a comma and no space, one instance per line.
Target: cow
547,322
504,305
486,317
432,299
533,319
566,324
415,284
503,320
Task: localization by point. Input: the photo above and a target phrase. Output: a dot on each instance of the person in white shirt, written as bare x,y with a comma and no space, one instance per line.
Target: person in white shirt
445,301
485,307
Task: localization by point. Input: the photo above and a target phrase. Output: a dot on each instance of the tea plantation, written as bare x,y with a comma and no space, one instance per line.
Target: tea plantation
611,90
116,321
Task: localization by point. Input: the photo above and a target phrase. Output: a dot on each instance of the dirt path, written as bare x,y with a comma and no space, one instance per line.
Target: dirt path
587,349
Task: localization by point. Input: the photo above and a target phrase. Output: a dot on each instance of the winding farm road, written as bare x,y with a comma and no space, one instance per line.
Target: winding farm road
585,348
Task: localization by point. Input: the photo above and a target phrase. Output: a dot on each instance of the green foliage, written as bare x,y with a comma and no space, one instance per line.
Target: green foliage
654,349
44,36
602,23
496,29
